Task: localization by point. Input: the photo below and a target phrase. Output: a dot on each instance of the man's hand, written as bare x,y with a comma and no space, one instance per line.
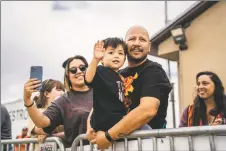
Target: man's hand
99,50
42,138
91,134
101,141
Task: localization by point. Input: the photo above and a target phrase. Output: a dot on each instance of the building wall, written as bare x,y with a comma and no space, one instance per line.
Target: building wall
207,49
206,40
167,47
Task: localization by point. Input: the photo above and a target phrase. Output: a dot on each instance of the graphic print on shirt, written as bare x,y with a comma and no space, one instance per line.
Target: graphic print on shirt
128,87
120,90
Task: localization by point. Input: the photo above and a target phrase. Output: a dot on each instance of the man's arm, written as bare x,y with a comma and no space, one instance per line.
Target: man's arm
146,110
39,131
60,135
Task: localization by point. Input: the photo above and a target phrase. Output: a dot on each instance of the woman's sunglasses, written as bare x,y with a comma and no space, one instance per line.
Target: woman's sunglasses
74,70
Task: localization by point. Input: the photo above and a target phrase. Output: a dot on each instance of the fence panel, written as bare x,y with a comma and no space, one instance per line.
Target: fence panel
220,143
197,138
47,147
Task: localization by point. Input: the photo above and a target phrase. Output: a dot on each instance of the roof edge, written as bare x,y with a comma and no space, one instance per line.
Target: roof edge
14,101
188,15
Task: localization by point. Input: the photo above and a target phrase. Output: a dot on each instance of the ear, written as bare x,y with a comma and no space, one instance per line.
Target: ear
46,94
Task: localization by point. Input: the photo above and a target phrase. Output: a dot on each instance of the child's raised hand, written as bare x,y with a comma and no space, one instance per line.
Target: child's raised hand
99,50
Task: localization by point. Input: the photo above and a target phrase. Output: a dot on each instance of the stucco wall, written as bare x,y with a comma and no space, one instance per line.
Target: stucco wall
207,49
167,47
206,40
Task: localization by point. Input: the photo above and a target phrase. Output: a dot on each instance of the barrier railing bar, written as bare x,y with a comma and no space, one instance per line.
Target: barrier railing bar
76,141
91,146
19,146
81,145
7,147
2,147
139,144
212,144
171,141
154,141
113,147
35,140
126,144
190,143
33,149
183,131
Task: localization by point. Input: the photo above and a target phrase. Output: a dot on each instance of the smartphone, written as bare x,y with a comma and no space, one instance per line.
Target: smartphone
36,72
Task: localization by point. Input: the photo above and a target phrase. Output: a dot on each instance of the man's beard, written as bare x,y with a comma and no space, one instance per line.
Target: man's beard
136,60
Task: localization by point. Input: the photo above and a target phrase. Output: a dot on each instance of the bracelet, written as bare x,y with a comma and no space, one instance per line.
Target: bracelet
107,135
29,105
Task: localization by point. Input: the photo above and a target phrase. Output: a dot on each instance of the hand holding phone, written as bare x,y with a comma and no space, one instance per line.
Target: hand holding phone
33,84
36,72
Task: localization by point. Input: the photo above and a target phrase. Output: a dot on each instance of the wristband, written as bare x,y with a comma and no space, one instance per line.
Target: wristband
29,105
107,135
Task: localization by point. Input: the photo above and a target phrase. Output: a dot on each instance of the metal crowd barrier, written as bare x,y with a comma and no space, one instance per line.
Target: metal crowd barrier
212,138
33,141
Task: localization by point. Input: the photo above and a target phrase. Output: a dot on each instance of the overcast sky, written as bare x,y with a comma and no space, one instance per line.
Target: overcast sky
33,33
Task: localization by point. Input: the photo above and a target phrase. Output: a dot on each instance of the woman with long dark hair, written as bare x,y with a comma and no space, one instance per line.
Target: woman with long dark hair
71,109
209,106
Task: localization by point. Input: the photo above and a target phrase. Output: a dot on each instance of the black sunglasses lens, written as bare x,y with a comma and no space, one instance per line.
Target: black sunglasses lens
73,70
82,68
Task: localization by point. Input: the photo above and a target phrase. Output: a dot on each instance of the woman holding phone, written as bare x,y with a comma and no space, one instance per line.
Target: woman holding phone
50,90
71,109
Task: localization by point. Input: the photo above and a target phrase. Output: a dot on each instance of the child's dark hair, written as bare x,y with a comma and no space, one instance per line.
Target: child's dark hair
114,42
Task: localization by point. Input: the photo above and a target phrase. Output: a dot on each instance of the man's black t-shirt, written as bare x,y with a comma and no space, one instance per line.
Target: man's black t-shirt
108,107
148,80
